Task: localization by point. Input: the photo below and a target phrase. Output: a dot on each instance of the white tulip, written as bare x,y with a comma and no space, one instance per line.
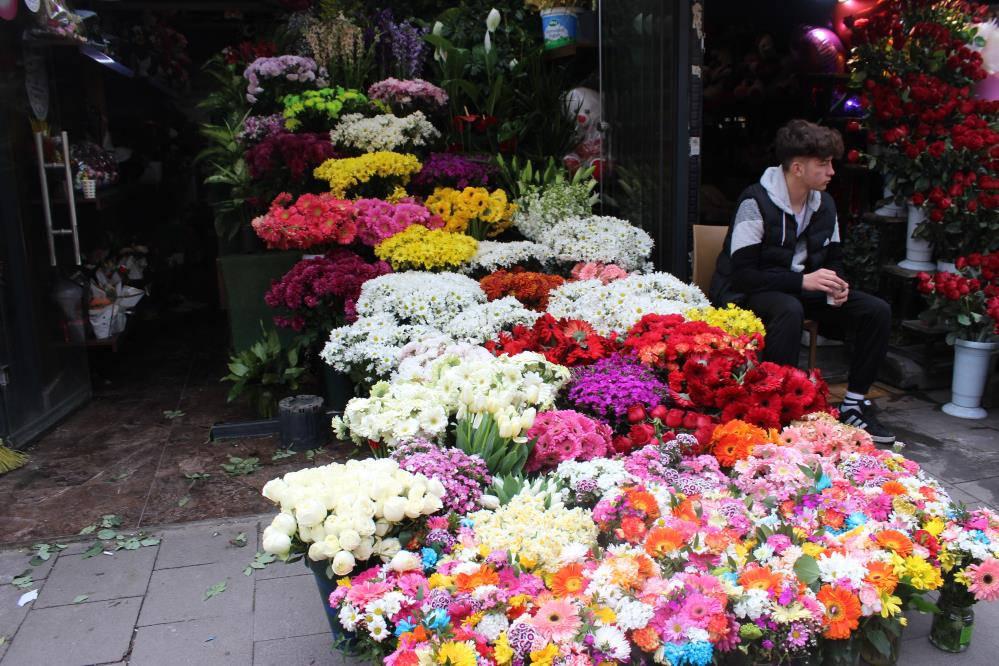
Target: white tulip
493,20
343,563
284,523
406,561
490,502
349,539
276,543
310,512
395,509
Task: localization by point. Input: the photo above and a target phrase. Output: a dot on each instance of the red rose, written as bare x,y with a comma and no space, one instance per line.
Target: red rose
636,414
853,156
659,412
675,418
621,444
641,433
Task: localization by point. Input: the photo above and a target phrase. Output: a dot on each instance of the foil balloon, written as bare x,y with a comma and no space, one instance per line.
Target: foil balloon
8,9
855,8
821,51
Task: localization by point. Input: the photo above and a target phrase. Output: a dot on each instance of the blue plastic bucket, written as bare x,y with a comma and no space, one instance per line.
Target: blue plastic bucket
559,26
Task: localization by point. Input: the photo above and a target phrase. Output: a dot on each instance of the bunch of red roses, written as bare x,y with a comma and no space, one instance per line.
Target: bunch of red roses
568,342
967,303
531,289
662,424
312,220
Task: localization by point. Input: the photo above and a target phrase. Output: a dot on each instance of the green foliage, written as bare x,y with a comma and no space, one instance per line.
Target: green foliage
228,177
505,488
479,435
265,372
522,176
860,256
241,466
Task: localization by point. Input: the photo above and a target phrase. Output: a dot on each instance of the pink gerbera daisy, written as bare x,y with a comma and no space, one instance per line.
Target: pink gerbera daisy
985,580
557,620
699,609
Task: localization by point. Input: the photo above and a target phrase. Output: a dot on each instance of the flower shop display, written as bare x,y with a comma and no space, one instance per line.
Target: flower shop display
473,210
454,171
967,305
356,175
420,248
408,94
278,71
316,110
531,289
384,132
540,208
378,220
607,240
312,220
321,293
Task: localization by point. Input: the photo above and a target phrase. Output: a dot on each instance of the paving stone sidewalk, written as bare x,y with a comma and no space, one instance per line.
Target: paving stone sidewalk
147,607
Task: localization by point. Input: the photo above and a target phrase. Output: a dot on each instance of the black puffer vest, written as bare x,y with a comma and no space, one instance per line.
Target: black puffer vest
780,236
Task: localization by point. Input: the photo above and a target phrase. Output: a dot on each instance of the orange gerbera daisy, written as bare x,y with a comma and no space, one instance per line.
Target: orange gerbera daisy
734,441
759,578
662,541
833,518
685,511
643,500
484,576
894,541
842,611
882,576
632,529
568,581
646,638
893,488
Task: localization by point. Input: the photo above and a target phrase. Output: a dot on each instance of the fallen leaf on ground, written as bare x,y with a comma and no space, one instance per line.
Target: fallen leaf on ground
215,590
81,598
239,541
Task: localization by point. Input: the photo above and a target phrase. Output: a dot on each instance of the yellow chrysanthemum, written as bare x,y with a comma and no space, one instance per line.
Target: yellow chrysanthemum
502,652
890,605
456,654
439,580
419,248
812,549
473,210
545,656
922,575
346,174
935,526
731,319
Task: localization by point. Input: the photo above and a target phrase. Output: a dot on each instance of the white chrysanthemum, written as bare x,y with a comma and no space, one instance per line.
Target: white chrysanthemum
349,617
752,604
492,625
538,210
612,642
383,132
484,322
632,614
607,240
494,255
837,567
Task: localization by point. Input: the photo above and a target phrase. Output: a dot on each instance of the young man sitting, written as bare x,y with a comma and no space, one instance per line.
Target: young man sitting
782,260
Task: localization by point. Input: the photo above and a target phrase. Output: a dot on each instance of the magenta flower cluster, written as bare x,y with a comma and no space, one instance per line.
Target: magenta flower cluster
377,219
321,293
464,476
299,153
457,171
566,435
610,386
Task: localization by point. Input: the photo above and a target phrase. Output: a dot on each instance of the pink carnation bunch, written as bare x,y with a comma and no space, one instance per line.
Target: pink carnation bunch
567,435
313,220
407,92
593,270
378,220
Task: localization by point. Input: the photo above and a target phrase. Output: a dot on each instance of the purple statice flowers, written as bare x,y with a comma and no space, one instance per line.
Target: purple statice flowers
451,170
463,476
610,386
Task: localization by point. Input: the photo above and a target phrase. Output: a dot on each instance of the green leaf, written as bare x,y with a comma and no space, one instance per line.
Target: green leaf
79,599
110,520
877,638
282,454
183,501
239,541
24,581
89,529
107,534
214,590
807,569
924,606
95,549
150,541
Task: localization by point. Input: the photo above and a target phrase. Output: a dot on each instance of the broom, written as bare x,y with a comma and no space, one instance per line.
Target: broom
10,459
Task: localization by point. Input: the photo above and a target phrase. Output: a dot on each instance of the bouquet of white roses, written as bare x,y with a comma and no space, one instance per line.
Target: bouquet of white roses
347,513
606,240
618,305
383,133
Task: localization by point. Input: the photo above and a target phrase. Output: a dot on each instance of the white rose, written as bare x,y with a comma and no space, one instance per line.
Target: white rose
395,509
305,534
388,548
343,563
414,508
276,543
365,527
436,488
432,504
405,561
364,549
382,528
332,545
284,523
349,539
317,551
310,512
275,490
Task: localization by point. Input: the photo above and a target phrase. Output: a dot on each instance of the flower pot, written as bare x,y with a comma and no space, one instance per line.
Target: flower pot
559,25
971,367
338,389
918,252
342,639
953,625
946,267
890,208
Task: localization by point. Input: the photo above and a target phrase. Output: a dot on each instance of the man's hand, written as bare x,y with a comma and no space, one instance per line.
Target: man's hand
840,298
824,280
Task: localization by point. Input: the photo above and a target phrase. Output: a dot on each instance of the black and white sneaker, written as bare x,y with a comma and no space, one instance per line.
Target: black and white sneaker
861,415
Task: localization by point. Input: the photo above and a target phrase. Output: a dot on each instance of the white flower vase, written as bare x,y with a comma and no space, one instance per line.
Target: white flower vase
890,208
971,367
946,267
918,252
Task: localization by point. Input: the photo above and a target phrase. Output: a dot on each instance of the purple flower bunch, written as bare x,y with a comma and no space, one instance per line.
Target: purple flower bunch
404,93
409,50
299,153
456,171
566,435
298,69
258,128
377,219
321,293
610,386
464,476
658,462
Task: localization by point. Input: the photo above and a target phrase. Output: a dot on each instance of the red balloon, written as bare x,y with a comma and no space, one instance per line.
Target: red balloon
8,9
854,8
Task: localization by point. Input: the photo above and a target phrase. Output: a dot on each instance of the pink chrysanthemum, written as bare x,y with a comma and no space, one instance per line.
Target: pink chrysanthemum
985,580
557,620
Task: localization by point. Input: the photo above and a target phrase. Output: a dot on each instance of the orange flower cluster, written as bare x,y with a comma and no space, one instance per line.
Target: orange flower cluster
842,611
734,441
531,289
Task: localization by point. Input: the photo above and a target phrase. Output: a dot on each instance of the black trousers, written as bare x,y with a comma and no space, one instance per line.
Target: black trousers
865,319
